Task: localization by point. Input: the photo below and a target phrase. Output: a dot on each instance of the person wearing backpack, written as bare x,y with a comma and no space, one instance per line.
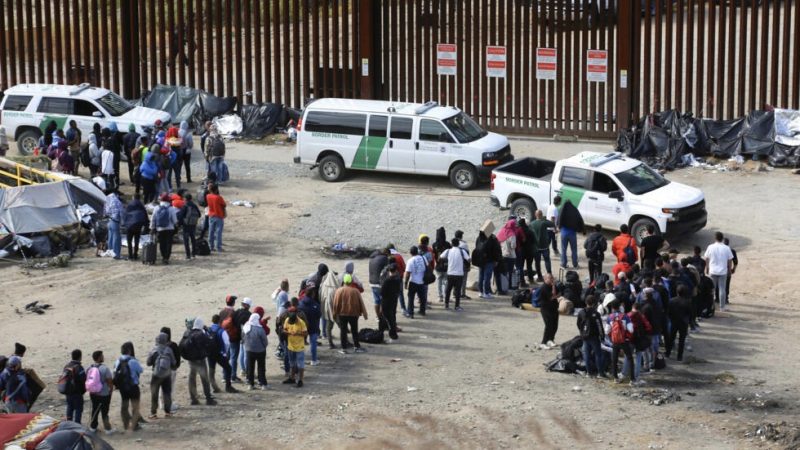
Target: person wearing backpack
456,258
625,244
164,364
619,329
641,341
377,263
595,246
100,385
194,348
163,224
72,384
135,220
222,357
309,305
14,386
127,371
188,216
234,329
590,327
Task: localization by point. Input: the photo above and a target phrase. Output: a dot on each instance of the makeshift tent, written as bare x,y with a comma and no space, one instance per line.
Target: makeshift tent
44,207
261,119
662,139
72,436
184,103
23,431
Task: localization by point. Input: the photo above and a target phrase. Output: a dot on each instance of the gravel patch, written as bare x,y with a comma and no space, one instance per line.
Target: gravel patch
273,170
374,220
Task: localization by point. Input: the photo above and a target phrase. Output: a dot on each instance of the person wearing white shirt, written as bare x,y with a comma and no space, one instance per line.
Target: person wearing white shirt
463,244
456,257
552,216
719,262
107,169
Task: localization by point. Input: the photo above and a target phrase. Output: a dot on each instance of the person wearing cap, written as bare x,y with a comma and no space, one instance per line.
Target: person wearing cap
194,348
229,308
309,305
347,306
238,356
414,282
463,244
391,288
14,386
295,330
162,224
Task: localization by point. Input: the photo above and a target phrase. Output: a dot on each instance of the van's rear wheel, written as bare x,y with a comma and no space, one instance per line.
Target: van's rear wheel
639,229
464,176
523,208
27,141
331,168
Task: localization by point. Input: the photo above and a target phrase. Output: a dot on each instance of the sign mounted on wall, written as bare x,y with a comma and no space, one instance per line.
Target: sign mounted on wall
597,66
546,62
446,59
495,61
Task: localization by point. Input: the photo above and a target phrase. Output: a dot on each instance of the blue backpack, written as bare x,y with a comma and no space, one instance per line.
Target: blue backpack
536,297
162,217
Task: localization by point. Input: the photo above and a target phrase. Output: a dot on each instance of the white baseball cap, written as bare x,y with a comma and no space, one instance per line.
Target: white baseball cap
247,301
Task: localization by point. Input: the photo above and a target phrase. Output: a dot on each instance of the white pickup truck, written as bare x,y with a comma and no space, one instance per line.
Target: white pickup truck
608,189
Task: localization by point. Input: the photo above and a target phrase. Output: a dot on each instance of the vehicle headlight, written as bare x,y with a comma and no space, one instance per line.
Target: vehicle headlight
490,155
669,210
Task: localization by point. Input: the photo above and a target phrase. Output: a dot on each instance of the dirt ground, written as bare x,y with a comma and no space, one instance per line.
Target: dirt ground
470,380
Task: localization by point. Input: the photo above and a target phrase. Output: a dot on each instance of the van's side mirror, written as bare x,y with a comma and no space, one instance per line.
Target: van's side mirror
97,114
444,137
617,195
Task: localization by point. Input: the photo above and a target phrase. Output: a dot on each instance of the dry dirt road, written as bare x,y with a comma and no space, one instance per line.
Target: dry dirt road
469,380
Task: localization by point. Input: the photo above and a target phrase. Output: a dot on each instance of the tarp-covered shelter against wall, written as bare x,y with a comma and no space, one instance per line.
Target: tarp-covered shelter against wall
184,103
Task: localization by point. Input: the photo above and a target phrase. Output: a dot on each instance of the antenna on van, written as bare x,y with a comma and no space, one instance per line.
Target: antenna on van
80,88
425,107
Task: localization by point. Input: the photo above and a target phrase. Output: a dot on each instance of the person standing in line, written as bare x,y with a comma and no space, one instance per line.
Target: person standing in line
100,384
625,245
73,138
95,156
541,228
548,301
310,307
528,251
188,216
295,330
222,341
148,176
377,262
74,386
719,262
590,327
481,260
730,273
347,306
238,354
440,245
188,144
128,370
162,225
652,246
552,216
164,363
194,348
391,288
595,246
569,223
216,214
401,269
507,236
255,344
107,166
680,316
414,282
619,328
128,144
135,221
456,258
463,244
113,209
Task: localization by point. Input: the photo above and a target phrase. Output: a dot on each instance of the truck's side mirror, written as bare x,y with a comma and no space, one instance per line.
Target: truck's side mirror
617,195
97,114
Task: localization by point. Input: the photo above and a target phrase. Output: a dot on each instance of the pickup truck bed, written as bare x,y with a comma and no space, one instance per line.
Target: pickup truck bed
529,167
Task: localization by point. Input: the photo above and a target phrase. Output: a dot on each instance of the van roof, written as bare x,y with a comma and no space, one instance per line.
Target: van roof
613,162
382,107
62,90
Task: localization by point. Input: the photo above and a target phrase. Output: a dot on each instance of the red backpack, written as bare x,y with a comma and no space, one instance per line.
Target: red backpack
619,332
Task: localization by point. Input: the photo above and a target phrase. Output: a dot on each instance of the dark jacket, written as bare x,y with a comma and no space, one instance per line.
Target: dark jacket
601,246
240,317
135,214
529,244
390,289
493,251
479,257
680,310
377,261
184,211
655,315
595,325
570,218
313,313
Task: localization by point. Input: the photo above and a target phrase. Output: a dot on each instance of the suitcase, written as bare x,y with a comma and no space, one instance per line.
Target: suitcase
503,283
149,253
515,280
202,248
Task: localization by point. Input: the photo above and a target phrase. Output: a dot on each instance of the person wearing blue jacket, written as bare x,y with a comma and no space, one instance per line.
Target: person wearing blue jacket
135,222
310,307
14,386
148,172
130,416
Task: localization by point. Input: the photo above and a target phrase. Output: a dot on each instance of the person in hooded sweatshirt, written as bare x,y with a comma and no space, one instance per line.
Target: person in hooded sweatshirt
349,269
194,348
148,175
163,224
128,144
440,245
255,344
177,353
14,386
162,377
377,262
187,143
95,155
131,398
309,305
135,221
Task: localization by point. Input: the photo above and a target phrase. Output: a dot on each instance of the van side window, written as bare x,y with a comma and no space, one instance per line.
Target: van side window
336,123
603,183
53,105
401,128
17,102
378,126
573,176
431,130
84,108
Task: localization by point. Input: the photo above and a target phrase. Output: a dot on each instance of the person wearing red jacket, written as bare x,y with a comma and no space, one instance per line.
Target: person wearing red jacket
622,241
621,266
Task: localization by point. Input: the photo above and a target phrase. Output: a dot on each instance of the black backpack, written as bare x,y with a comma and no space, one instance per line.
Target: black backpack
591,320
72,380
594,247
520,297
370,336
193,346
123,380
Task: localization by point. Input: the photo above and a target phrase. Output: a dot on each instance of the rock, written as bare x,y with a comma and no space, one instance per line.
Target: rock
577,389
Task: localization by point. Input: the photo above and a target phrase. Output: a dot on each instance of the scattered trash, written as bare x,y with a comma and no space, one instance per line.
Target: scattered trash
395,360
411,389
656,397
245,203
725,378
61,260
34,308
229,126
755,400
782,432
284,205
343,251
577,389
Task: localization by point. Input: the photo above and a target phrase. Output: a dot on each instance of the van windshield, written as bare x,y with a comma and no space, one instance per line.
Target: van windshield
464,128
114,104
641,179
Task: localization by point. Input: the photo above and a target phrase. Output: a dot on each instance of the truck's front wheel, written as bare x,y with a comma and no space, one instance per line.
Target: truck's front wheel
523,208
639,229
464,176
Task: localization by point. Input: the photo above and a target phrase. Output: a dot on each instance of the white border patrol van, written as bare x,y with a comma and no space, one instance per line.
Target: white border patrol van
340,134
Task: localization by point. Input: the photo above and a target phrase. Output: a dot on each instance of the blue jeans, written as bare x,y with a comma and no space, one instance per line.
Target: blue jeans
552,235
74,407
286,367
638,357
592,345
376,296
485,278
510,269
114,238
312,340
234,359
215,225
538,256
421,291
403,302
569,237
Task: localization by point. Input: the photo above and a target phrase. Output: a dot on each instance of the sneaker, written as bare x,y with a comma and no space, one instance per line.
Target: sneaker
251,388
406,314
361,350
638,383
236,380
111,431
288,381
481,295
299,383
551,344
263,387
543,347
153,416
211,402
195,402
466,297
343,351
458,308
488,296
391,340
314,363
231,390
93,430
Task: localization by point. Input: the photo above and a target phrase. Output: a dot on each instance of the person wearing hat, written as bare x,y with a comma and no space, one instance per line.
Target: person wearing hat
347,306
162,224
463,244
414,282
14,386
295,330
238,356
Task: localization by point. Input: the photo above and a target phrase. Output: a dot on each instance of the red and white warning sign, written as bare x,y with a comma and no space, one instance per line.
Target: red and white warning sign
495,61
446,59
546,61
597,65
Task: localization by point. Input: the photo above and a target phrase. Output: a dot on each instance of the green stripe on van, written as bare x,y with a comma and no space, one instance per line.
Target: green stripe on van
369,152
